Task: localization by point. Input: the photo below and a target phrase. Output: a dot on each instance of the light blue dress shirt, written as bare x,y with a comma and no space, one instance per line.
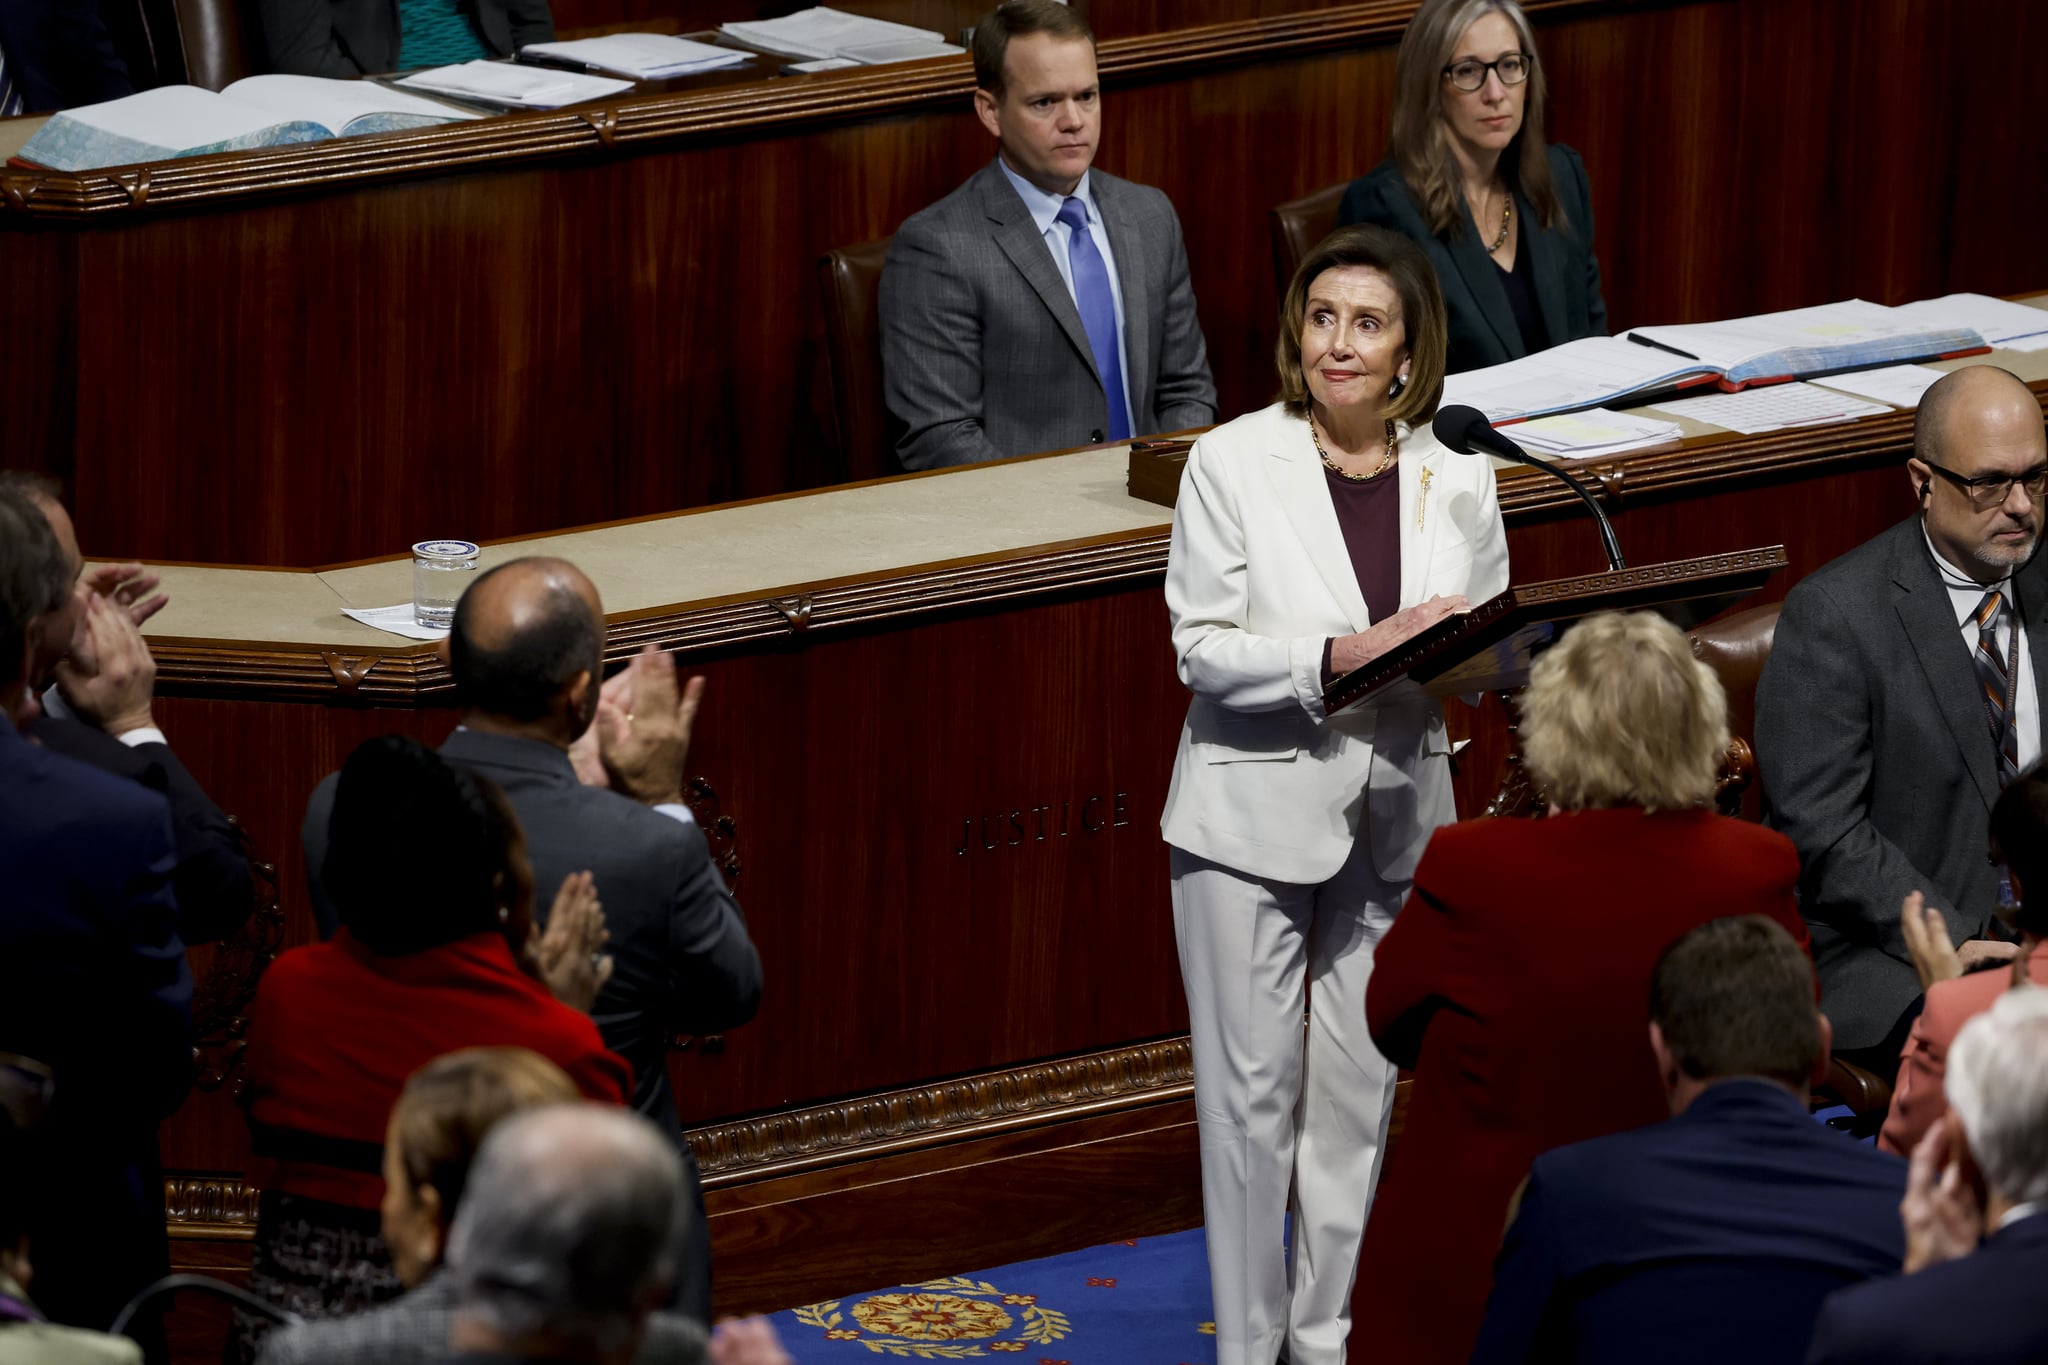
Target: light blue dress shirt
1044,210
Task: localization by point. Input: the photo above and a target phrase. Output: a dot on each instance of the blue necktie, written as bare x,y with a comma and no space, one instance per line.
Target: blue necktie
1093,296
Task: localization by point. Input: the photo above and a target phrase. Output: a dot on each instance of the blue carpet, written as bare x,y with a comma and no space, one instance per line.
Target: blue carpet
1128,1303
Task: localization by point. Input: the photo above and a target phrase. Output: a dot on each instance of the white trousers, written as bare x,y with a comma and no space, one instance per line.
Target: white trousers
1272,1109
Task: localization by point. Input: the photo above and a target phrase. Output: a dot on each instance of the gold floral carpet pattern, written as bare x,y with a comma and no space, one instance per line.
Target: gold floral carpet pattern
1127,1303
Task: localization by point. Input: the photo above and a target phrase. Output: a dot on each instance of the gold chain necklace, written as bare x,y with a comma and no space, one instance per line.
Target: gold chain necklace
1393,449
1507,219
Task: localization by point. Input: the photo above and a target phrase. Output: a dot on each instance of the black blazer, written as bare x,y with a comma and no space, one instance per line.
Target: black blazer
1717,1234
59,54
1566,272
361,37
215,892
1984,1309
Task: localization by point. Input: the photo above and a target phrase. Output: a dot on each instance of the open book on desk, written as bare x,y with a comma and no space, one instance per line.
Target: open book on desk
260,111
820,33
1586,373
1803,342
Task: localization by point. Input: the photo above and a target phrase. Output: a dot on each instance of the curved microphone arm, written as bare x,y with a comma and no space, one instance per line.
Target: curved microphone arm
1467,431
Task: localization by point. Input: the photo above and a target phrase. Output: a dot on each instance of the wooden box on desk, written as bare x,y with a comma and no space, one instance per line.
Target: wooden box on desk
1156,469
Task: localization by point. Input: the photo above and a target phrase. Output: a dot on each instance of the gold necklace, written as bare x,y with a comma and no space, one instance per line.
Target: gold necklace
1393,449
1507,218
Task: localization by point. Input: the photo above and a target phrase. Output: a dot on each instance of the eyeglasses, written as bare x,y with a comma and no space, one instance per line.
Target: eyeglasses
1470,74
1987,491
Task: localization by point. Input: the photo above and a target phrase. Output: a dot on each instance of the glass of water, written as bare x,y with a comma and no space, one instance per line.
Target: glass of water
441,570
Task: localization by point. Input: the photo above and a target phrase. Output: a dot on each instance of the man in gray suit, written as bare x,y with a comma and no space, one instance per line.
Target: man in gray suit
527,655
1902,692
1042,304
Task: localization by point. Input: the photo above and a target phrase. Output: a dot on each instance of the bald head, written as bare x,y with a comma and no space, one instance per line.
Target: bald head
527,646
1978,434
1969,404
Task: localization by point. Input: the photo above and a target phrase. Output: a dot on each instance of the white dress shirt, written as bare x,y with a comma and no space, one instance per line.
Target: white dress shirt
1966,594
56,708
1044,209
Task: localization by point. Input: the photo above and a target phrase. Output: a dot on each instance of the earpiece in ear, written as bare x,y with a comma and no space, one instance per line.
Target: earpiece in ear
1925,484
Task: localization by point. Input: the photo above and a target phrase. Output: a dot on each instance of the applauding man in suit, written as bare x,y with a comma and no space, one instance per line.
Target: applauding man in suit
1042,304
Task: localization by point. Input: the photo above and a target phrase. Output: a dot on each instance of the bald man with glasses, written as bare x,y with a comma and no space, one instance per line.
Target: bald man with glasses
1902,693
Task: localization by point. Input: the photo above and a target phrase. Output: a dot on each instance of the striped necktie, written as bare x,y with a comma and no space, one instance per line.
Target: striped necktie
10,93
1997,687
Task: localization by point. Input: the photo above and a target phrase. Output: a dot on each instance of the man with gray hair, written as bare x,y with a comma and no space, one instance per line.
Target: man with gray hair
565,1239
1976,1247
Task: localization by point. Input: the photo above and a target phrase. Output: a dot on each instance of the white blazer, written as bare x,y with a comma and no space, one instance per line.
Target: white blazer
1257,579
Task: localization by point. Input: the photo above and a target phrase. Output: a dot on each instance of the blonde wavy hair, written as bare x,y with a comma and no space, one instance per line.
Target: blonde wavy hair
1620,713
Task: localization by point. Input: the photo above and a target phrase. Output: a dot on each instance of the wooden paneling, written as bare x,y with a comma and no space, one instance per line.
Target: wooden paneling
326,353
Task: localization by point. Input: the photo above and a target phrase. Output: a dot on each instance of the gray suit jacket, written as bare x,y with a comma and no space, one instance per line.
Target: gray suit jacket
1877,763
413,1330
983,352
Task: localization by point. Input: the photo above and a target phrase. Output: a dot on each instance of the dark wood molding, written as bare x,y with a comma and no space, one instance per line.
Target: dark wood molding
638,123
203,1207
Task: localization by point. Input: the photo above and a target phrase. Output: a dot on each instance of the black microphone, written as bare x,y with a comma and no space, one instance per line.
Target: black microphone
1467,431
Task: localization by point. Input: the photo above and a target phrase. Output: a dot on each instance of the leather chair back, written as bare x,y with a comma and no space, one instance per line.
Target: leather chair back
1735,648
220,40
851,280
1298,225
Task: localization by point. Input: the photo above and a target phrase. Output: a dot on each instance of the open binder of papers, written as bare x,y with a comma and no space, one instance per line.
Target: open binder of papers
1579,374
639,56
818,34
511,86
1803,342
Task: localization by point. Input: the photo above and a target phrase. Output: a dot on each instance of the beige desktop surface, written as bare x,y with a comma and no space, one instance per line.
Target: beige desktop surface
751,550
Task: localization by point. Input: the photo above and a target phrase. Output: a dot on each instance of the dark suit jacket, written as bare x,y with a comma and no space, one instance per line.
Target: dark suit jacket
1483,329
1712,1237
362,38
1516,986
983,352
1982,1310
1877,764
59,55
93,983
215,893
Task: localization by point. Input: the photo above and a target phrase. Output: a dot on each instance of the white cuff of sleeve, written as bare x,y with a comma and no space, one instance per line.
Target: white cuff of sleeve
54,705
676,811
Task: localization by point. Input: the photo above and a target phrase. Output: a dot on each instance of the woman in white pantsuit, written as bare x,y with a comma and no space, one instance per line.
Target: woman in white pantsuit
1309,538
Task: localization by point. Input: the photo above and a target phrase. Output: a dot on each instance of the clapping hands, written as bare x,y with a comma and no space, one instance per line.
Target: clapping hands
569,952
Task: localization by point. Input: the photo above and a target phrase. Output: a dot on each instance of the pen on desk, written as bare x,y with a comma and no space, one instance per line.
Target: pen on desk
557,63
1645,341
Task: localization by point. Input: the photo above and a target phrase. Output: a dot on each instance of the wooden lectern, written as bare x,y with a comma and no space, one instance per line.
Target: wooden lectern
1489,648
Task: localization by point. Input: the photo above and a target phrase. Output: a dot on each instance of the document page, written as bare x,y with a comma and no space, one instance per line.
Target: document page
1998,321
176,117
643,56
1578,374
518,87
1773,408
1727,345
336,104
823,32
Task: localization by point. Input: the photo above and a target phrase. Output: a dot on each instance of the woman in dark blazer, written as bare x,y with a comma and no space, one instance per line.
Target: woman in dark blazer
1507,220
368,37
1516,980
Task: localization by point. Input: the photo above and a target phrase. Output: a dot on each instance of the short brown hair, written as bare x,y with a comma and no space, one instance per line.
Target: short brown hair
1735,998
1423,328
449,1104
1620,713
1016,19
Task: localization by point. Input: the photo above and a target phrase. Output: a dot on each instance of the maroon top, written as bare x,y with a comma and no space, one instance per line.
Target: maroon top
1369,515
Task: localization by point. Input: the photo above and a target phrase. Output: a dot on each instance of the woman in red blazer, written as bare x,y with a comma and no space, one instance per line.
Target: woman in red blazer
1515,981
428,868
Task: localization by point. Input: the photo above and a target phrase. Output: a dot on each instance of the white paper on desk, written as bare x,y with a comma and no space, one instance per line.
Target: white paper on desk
906,50
1577,374
518,87
822,32
1592,433
1899,385
2032,343
1998,321
642,56
397,620
1772,407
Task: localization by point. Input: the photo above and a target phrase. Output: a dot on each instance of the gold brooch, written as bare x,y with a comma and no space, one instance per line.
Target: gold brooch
1422,498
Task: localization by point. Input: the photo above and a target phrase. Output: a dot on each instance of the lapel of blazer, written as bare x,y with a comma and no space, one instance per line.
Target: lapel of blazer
1482,277
1017,236
1297,479
1546,265
1128,242
1937,642
1418,538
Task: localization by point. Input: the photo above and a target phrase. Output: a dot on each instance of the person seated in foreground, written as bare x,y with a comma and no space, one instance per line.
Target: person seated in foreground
2019,844
1513,980
94,679
26,1336
565,1241
1976,1243
370,37
442,1116
1902,693
1714,1236
428,868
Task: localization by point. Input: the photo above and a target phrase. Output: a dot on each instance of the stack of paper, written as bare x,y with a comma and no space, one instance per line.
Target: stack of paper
2008,326
515,87
1577,374
1593,433
642,56
1769,409
814,34
1899,385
